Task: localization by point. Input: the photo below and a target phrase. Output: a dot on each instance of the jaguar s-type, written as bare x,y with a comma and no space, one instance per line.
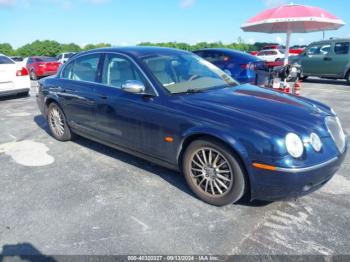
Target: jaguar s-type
176,109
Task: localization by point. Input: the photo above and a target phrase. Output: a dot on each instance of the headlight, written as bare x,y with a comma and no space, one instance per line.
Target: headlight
315,142
294,145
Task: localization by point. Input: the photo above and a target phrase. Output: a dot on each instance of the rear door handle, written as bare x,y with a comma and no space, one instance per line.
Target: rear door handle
103,97
327,59
60,89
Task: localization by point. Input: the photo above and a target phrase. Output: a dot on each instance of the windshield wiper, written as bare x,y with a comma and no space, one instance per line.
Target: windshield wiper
191,91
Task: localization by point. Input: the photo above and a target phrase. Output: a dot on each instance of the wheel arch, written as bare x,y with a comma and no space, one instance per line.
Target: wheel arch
235,147
48,101
347,72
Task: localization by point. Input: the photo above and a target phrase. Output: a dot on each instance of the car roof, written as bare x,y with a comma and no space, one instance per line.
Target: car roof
331,41
137,51
229,51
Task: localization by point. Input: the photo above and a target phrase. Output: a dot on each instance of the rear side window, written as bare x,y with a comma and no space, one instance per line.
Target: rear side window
341,48
82,69
68,71
5,60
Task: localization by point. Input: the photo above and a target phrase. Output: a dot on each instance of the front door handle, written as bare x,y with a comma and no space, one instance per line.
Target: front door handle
327,59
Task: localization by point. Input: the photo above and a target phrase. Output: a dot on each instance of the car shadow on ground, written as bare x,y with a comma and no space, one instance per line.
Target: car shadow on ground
23,252
326,81
13,97
174,178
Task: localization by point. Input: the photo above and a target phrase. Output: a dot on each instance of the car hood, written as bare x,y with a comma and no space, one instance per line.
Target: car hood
283,112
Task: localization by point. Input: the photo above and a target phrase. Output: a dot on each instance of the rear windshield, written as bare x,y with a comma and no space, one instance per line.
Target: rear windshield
5,60
17,59
45,59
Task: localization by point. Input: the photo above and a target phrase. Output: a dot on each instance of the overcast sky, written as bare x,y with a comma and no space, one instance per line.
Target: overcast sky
128,22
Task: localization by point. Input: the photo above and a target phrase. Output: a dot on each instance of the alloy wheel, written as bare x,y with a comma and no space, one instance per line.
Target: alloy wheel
56,121
211,172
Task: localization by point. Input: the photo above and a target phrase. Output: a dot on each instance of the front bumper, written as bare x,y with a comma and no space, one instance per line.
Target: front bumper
288,183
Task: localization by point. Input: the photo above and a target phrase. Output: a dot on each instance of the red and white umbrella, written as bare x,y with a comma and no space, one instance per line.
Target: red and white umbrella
290,19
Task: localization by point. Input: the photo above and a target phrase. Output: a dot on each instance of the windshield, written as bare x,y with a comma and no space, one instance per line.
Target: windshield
181,73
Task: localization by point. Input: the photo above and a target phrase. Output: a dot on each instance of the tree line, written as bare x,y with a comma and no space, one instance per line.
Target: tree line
53,48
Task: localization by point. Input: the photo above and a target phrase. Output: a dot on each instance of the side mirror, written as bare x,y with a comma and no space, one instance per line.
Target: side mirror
134,87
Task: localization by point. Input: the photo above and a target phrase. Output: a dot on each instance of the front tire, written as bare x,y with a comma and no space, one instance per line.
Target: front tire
213,172
348,77
58,123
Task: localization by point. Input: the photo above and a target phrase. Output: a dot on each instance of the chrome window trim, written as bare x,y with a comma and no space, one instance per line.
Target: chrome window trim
101,53
306,169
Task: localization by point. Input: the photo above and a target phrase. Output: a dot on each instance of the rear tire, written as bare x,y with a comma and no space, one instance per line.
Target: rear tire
33,76
213,172
58,123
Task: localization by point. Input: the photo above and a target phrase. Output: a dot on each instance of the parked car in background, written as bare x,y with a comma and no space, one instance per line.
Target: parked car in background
63,58
271,55
328,58
14,78
269,47
294,50
176,109
241,66
17,59
40,66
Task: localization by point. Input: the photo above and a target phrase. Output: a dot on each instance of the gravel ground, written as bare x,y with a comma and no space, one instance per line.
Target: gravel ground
83,198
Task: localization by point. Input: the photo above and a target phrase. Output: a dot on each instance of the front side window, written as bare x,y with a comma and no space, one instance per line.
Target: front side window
82,69
117,70
183,72
341,48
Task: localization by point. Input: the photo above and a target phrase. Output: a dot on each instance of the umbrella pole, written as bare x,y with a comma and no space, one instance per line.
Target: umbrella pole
286,55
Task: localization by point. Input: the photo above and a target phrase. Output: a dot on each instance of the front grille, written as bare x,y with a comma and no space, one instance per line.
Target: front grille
336,131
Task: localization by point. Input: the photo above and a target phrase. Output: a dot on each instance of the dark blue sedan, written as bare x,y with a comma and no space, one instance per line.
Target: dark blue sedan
178,110
243,67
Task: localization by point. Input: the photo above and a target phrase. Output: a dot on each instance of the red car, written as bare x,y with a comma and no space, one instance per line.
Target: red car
40,66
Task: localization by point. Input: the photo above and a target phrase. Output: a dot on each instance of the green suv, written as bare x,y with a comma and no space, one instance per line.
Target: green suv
327,59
